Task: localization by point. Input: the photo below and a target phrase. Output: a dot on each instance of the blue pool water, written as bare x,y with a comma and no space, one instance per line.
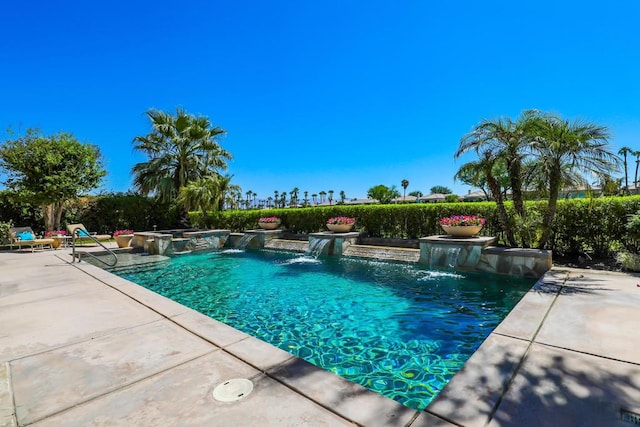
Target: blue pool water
398,329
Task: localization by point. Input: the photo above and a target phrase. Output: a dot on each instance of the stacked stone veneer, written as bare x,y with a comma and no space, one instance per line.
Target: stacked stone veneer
476,254
338,242
155,243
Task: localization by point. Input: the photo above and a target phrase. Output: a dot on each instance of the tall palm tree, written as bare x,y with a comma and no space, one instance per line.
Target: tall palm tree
180,148
635,179
314,197
343,196
294,196
330,198
623,152
322,194
276,200
248,194
269,200
568,147
405,184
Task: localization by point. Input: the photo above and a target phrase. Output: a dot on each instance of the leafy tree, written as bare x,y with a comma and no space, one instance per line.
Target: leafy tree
49,171
623,152
451,198
416,193
180,148
382,193
440,189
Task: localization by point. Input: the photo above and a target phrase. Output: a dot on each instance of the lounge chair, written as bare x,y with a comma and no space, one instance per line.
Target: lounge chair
24,236
83,235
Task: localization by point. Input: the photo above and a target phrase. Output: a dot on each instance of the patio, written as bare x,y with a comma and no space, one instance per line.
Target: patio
80,346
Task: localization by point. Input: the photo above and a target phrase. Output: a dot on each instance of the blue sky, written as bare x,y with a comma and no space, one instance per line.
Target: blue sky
328,95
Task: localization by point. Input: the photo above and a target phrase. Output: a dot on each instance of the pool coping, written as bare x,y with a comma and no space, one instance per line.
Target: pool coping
475,396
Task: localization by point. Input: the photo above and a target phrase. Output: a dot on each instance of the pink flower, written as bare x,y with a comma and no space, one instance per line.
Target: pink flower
269,219
341,220
462,220
121,232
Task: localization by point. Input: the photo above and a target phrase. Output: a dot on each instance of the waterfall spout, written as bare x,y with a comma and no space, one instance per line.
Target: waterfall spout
316,246
244,241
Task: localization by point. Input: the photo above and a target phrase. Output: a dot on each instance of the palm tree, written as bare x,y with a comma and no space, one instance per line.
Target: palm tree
563,147
227,191
322,194
294,196
343,196
180,148
248,193
508,140
635,180
203,194
623,152
276,200
314,197
405,184
255,195
330,198
283,198
269,200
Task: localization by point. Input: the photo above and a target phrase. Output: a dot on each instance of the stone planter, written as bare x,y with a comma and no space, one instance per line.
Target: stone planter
123,240
462,230
340,228
269,225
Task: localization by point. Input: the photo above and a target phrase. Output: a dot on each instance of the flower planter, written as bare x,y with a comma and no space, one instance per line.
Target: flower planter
123,240
57,241
340,228
461,230
269,225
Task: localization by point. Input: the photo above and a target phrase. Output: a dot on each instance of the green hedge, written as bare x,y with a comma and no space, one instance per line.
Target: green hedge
595,226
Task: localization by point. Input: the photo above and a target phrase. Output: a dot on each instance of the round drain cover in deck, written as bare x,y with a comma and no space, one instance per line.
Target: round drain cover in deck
233,390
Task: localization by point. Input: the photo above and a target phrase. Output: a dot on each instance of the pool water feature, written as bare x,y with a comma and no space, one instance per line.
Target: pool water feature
398,329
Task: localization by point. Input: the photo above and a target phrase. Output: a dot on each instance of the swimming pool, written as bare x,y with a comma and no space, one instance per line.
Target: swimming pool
398,329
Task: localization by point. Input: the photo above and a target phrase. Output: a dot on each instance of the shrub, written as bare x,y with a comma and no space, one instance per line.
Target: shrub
595,226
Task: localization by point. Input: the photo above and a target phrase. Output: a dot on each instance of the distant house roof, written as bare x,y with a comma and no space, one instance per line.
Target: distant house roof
432,198
360,201
405,199
472,196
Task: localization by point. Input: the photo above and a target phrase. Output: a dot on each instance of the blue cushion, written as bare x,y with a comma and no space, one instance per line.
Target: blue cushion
26,235
82,232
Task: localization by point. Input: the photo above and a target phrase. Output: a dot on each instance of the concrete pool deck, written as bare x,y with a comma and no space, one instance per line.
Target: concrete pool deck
80,346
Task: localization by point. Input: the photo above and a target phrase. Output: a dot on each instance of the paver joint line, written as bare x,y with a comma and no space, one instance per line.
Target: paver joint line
217,348
526,353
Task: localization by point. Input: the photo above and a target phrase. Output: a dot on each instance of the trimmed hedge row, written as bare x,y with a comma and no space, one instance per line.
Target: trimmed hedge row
595,226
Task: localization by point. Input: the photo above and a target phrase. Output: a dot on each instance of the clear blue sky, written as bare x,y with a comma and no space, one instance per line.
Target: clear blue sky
339,95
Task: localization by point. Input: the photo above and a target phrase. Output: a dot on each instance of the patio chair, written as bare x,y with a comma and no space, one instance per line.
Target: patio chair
24,236
83,235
